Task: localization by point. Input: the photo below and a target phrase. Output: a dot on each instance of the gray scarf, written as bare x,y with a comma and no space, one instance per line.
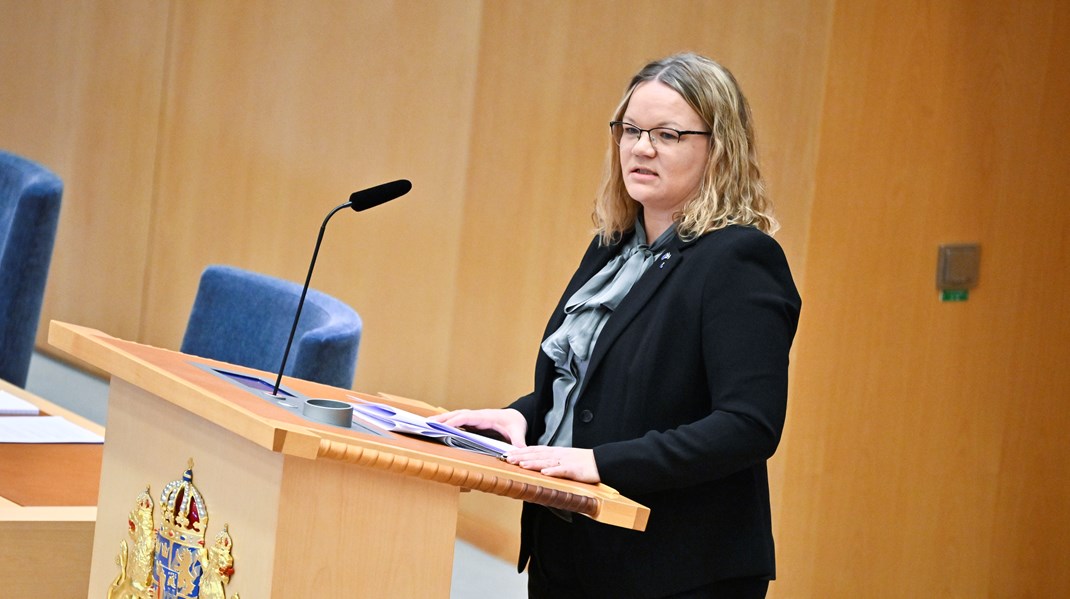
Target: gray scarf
586,312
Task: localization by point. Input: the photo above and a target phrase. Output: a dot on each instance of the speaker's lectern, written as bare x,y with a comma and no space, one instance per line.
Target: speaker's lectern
207,482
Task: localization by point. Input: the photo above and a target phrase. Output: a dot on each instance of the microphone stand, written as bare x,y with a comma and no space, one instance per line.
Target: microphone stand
304,292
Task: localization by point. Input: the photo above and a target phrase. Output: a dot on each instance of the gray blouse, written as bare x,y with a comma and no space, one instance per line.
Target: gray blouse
586,312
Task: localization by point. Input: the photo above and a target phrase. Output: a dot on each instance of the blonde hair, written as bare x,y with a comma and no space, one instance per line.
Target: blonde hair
732,191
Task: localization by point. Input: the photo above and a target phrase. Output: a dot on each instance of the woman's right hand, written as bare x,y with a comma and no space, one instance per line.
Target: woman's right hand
507,422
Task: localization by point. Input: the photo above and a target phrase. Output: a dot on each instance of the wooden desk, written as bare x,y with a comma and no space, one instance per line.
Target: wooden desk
48,497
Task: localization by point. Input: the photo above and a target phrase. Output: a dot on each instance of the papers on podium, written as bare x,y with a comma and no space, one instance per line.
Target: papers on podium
44,429
13,405
399,421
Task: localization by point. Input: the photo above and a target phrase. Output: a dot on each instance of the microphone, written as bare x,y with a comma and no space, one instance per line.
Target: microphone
380,194
358,201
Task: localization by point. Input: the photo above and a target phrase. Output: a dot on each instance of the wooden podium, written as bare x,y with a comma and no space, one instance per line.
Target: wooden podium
313,510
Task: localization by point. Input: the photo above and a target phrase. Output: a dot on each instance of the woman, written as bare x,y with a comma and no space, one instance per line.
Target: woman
663,370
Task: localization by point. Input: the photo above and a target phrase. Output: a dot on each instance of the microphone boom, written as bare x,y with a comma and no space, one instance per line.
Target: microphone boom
359,201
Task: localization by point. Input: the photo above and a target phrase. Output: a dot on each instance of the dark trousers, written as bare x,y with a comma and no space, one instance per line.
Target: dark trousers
554,569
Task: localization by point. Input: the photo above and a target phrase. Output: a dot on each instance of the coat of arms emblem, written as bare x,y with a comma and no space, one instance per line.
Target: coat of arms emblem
172,562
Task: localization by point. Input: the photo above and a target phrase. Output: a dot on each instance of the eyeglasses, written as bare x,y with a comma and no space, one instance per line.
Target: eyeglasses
627,134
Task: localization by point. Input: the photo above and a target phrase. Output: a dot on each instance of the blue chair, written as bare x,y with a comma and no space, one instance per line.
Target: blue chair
29,214
245,318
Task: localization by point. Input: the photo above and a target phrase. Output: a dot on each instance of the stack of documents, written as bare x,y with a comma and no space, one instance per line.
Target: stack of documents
13,405
20,423
399,421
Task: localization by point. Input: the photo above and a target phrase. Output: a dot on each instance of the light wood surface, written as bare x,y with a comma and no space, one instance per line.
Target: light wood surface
46,551
82,92
49,475
300,527
926,447
405,543
41,474
47,510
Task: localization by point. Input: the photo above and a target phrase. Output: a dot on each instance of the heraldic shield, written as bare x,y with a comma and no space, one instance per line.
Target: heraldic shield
173,562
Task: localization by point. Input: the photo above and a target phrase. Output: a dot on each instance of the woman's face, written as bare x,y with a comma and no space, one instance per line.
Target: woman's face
664,175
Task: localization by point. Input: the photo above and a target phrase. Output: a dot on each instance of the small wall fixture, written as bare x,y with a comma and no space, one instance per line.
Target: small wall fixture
957,270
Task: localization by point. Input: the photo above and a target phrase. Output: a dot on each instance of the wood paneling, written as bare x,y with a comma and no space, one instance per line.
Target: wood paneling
81,92
926,447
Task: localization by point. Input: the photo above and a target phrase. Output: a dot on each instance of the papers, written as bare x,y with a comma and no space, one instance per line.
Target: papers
44,429
406,423
13,405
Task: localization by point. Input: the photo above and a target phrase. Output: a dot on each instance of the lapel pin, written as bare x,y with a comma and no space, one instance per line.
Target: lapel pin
664,257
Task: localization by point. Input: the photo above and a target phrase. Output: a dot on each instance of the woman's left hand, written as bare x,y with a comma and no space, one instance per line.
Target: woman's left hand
562,462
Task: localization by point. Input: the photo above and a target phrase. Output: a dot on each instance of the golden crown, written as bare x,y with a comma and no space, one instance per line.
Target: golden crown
183,507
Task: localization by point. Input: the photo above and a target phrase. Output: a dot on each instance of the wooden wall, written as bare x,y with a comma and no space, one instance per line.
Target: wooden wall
926,451
923,454
81,92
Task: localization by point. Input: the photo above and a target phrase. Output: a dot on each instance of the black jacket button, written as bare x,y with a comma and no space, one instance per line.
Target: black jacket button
586,416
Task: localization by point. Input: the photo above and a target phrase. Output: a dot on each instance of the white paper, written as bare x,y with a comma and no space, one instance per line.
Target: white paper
44,429
11,404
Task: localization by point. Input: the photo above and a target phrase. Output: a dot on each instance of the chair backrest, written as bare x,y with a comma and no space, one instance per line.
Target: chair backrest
245,318
29,214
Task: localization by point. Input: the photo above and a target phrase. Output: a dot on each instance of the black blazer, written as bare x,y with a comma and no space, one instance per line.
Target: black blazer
683,403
